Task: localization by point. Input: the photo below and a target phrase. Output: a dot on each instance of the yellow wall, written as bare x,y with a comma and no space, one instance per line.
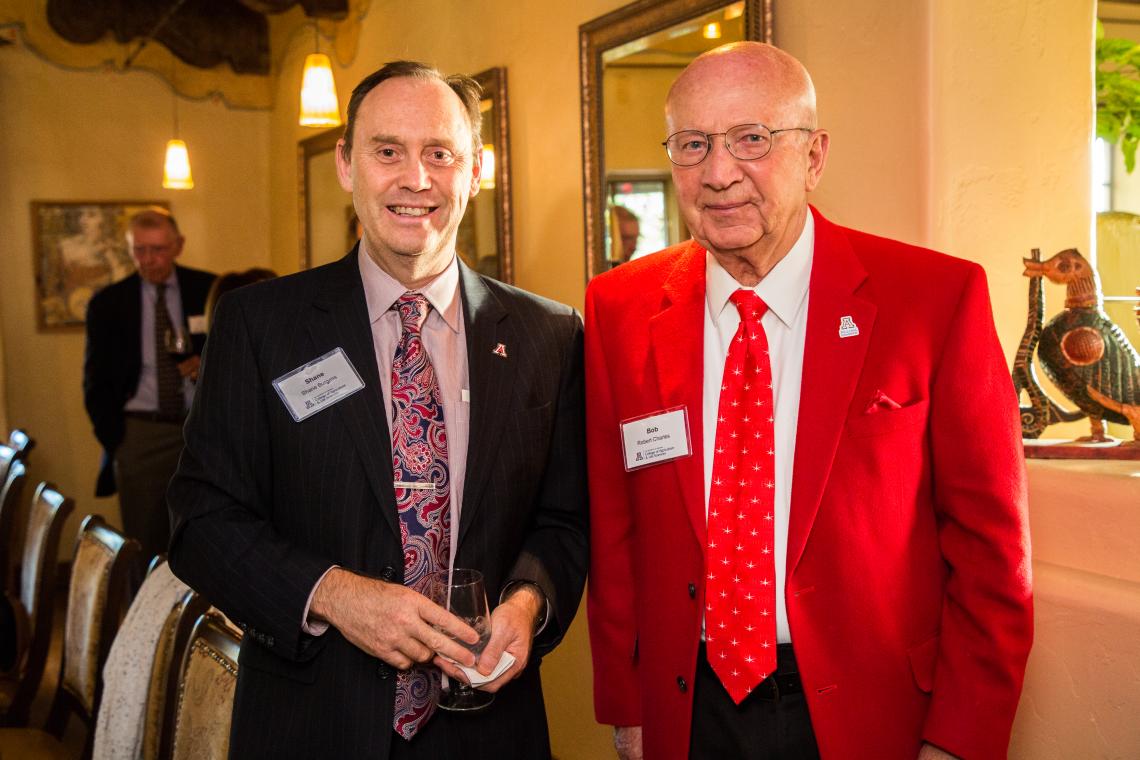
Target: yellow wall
94,136
634,107
959,124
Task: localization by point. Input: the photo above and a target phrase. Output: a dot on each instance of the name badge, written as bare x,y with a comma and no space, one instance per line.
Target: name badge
319,384
655,438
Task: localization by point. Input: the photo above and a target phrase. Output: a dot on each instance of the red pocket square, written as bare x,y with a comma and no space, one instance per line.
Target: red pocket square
881,402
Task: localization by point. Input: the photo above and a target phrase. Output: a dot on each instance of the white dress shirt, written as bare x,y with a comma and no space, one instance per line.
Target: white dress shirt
146,394
785,291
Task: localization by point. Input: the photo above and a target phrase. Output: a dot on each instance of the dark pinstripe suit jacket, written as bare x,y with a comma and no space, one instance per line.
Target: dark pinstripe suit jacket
262,505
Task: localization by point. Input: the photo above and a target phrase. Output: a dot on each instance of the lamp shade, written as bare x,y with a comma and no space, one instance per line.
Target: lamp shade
319,106
176,171
487,172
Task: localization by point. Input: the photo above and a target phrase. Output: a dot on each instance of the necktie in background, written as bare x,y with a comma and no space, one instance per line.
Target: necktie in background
740,598
170,400
419,455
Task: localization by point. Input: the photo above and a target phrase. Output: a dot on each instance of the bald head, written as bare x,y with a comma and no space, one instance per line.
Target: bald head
745,202
776,78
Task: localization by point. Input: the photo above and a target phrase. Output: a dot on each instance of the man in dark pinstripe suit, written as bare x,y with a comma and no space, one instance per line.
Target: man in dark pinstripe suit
283,507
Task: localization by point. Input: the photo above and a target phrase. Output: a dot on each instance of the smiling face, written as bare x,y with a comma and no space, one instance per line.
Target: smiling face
411,172
750,210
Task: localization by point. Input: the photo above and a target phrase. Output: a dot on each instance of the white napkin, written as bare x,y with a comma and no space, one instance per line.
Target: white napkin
478,679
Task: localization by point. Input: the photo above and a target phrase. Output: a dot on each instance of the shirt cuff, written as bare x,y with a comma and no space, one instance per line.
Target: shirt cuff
544,615
315,627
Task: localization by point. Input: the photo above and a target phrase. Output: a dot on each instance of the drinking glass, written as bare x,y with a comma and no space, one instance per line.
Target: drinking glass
178,344
464,595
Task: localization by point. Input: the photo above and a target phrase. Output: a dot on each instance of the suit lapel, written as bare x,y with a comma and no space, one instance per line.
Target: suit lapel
832,365
491,379
340,318
676,350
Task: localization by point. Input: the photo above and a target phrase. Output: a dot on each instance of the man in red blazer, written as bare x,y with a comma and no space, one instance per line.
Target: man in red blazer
799,435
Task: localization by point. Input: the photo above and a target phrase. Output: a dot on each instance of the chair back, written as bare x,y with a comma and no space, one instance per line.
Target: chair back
21,442
7,456
168,656
207,680
35,604
144,660
11,492
97,599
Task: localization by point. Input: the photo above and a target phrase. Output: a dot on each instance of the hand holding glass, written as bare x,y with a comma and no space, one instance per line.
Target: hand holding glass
464,595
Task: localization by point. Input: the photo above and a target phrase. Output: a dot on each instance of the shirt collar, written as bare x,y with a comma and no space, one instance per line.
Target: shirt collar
783,289
171,282
381,290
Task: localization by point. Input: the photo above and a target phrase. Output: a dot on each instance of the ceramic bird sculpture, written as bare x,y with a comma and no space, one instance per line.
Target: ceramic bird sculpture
1083,352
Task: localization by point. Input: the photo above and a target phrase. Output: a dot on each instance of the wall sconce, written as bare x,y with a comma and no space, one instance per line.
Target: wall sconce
711,31
487,172
319,105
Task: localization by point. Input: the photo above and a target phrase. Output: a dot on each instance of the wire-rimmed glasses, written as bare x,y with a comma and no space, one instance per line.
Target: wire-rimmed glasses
748,142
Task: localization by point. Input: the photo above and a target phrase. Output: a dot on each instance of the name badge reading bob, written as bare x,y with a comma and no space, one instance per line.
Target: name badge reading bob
655,438
319,384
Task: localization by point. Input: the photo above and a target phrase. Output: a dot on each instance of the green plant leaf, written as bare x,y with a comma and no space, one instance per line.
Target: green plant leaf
1128,147
1117,81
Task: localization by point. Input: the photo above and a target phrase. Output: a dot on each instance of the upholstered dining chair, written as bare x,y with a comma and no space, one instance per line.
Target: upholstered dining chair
198,725
137,679
22,443
97,596
11,492
33,606
7,457
16,450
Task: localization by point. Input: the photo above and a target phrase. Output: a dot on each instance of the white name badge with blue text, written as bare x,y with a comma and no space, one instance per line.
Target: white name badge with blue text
655,438
319,384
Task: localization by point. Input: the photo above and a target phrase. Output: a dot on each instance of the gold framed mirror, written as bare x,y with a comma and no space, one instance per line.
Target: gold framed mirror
328,226
628,59
325,208
486,239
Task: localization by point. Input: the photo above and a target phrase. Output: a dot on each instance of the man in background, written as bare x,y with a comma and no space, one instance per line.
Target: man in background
138,379
365,424
628,228
809,530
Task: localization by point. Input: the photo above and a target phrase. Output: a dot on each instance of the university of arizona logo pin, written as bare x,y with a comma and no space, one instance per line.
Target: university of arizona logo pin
847,327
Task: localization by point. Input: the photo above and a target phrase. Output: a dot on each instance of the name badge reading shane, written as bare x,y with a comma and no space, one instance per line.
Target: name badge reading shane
319,384
655,438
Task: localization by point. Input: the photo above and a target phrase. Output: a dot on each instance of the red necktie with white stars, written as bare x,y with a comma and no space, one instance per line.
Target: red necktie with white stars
740,597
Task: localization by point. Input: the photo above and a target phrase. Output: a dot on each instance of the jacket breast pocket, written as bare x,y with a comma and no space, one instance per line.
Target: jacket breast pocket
533,422
884,421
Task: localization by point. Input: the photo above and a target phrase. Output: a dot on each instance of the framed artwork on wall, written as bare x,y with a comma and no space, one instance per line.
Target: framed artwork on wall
78,248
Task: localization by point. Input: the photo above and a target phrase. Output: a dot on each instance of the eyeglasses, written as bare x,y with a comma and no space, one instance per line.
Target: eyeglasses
748,142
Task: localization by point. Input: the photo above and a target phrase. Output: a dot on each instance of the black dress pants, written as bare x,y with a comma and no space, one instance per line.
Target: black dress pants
765,726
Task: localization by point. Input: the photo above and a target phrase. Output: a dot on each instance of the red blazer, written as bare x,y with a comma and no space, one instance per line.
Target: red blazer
908,577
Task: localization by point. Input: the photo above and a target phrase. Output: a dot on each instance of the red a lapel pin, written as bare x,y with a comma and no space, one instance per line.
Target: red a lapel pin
847,327
500,350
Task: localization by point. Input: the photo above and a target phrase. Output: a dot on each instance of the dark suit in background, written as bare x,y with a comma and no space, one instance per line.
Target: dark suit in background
263,505
111,370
